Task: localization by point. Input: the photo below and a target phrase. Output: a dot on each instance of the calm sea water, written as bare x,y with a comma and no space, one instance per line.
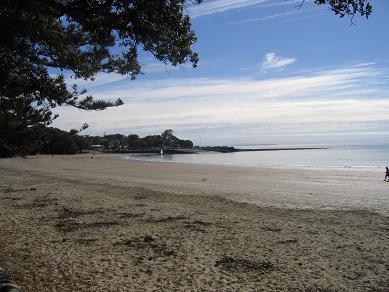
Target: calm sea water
358,157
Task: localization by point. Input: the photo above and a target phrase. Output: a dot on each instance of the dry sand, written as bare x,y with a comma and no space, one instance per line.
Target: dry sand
71,223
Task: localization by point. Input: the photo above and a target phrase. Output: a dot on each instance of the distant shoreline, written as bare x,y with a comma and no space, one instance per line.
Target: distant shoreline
281,149
210,149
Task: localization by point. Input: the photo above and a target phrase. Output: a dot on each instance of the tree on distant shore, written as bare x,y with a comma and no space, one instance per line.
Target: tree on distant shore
168,138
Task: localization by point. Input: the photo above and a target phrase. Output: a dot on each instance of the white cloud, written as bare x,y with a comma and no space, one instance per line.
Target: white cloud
99,79
148,67
268,17
160,67
217,6
337,102
272,61
209,7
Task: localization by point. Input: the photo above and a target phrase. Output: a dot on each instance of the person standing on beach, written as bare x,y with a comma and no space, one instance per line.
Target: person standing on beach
386,174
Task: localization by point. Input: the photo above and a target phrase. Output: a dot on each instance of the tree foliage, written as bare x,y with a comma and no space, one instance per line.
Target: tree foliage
151,142
168,138
347,7
83,37
56,141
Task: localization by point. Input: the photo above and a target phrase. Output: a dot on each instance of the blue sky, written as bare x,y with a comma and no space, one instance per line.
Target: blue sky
268,73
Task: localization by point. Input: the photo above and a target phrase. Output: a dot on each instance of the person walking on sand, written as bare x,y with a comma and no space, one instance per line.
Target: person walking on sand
386,174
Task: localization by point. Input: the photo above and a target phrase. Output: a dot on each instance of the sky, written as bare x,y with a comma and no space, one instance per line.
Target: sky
269,72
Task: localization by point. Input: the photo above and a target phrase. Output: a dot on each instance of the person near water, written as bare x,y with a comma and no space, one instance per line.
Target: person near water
386,174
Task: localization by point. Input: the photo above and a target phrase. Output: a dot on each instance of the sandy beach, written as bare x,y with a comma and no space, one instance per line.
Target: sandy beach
71,223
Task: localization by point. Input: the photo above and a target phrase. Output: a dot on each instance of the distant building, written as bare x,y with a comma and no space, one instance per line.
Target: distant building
96,147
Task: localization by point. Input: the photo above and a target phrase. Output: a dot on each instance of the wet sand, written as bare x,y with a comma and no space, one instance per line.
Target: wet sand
73,223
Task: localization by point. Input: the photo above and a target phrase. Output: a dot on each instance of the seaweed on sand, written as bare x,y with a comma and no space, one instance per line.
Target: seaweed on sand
240,264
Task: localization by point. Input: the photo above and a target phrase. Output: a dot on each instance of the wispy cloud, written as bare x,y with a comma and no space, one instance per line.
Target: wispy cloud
159,67
272,61
295,3
148,67
268,17
217,6
298,18
99,79
342,101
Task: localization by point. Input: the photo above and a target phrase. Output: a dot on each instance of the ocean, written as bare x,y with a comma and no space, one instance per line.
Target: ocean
346,157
